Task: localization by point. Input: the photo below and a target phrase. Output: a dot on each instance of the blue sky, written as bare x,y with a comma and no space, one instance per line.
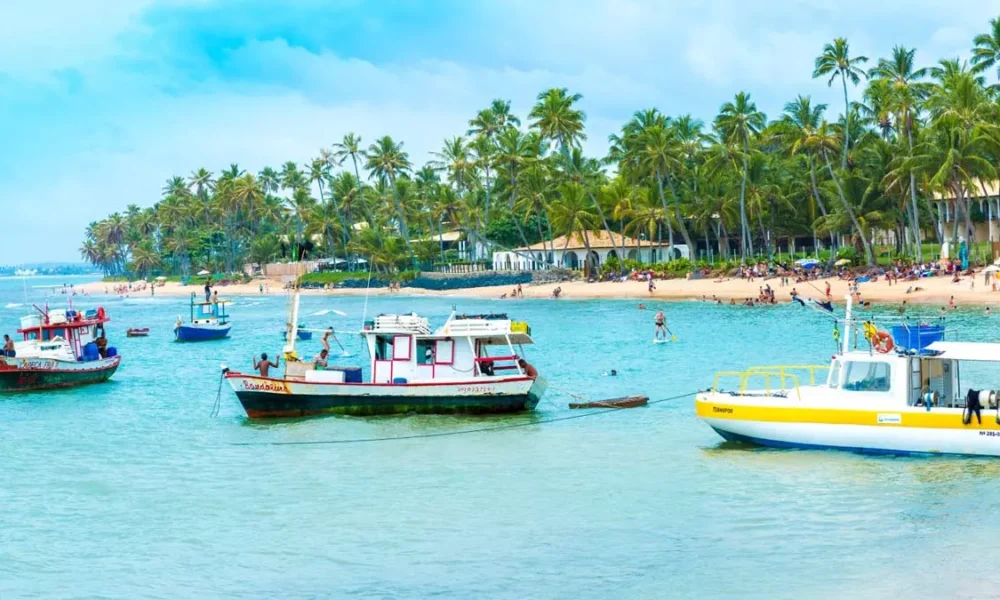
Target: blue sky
101,102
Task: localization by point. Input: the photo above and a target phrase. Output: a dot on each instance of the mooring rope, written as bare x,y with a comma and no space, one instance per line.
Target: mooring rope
454,433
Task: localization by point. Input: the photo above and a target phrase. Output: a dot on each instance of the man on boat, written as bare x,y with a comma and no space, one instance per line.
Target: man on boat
8,347
529,370
208,291
264,365
661,325
102,344
320,360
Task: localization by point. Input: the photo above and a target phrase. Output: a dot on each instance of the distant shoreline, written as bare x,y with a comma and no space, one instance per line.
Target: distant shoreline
933,290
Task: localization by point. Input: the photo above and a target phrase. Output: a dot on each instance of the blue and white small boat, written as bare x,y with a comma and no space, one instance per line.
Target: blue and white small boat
303,333
209,321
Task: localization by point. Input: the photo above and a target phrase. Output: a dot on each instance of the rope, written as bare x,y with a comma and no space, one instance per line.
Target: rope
454,433
218,395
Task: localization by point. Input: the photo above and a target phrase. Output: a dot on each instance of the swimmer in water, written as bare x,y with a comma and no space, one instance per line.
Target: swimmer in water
661,325
642,306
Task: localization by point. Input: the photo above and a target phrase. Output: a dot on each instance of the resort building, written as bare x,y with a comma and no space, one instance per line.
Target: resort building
571,252
985,212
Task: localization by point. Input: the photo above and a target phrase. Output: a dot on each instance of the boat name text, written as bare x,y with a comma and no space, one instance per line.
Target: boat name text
264,386
722,409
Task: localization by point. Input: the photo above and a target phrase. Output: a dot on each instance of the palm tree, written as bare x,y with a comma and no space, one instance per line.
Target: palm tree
387,161
572,216
986,49
907,94
836,62
738,121
557,119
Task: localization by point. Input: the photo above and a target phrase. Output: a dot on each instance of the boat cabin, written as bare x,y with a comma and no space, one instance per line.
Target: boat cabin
404,350
209,313
61,334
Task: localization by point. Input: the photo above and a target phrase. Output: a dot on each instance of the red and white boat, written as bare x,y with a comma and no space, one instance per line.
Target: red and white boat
469,365
59,348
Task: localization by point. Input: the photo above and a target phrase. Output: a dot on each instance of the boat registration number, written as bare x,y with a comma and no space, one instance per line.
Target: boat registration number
477,389
990,433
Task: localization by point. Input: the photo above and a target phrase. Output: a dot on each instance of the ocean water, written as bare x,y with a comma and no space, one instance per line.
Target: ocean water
132,489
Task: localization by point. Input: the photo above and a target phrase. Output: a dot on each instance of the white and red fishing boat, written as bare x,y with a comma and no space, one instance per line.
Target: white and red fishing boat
471,364
59,348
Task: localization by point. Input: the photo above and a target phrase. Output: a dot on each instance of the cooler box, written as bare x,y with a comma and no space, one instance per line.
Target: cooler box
916,338
325,376
352,374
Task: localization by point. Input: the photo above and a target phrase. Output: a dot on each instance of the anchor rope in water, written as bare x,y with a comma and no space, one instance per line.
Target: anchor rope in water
454,433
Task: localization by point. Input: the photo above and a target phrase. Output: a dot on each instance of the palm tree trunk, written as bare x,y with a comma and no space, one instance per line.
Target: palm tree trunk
745,242
402,218
666,212
677,213
847,120
913,197
510,206
869,258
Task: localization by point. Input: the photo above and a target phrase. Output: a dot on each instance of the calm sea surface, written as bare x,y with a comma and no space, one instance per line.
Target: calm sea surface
132,490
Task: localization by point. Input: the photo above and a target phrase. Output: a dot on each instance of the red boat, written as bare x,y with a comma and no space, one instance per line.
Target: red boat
137,332
59,348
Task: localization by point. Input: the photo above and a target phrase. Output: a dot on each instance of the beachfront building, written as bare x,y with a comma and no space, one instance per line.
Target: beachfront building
571,252
985,211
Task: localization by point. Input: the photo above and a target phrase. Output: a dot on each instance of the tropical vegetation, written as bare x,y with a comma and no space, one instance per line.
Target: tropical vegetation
851,178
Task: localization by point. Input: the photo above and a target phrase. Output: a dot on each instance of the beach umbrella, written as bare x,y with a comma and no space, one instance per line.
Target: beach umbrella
203,272
161,278
806,261
991,269
842,262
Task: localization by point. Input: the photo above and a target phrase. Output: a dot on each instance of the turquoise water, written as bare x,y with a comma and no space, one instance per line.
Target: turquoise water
132,490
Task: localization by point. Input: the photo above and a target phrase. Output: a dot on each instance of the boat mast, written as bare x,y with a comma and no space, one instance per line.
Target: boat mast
846,338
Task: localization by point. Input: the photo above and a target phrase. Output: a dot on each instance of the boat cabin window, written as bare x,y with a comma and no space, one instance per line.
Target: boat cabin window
425,352
52,333
835,374
866,376
383,347
444,354
401,347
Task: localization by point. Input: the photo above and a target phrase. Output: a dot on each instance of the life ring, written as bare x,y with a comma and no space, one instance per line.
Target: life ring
100,313
882,342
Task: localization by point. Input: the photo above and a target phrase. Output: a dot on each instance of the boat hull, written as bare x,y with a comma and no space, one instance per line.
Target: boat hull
276,398
201,333
30,374
912,430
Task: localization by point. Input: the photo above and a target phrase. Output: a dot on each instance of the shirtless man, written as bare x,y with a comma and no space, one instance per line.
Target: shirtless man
8,346
264,365
661,325
529,370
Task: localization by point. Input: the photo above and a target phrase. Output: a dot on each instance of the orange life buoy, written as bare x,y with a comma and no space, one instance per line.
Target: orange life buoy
100,312
882,342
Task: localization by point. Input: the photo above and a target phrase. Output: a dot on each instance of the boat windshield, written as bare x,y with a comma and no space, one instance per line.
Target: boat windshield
866,376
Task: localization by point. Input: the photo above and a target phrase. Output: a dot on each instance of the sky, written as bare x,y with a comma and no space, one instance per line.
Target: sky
102,101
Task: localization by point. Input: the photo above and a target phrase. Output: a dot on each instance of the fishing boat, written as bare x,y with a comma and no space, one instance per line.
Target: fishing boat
209,321
303,333
137,332
59,348
903,394
468,365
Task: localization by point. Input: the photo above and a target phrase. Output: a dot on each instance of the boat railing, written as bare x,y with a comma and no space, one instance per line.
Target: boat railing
511,363
784,369
782,380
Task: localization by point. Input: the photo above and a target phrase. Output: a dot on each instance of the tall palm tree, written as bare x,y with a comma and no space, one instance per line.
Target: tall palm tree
836,61
557,119
908,92
738,121
573,216
386,162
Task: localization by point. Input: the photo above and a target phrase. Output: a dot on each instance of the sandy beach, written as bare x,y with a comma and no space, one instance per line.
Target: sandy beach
932,290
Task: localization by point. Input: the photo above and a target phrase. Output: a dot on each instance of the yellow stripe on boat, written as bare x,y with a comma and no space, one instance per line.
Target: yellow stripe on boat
917,418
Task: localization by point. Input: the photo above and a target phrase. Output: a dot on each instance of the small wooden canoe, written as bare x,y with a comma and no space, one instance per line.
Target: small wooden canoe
626,402
133,332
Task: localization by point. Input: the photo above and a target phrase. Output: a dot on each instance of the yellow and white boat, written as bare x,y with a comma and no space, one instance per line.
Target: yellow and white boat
904,395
